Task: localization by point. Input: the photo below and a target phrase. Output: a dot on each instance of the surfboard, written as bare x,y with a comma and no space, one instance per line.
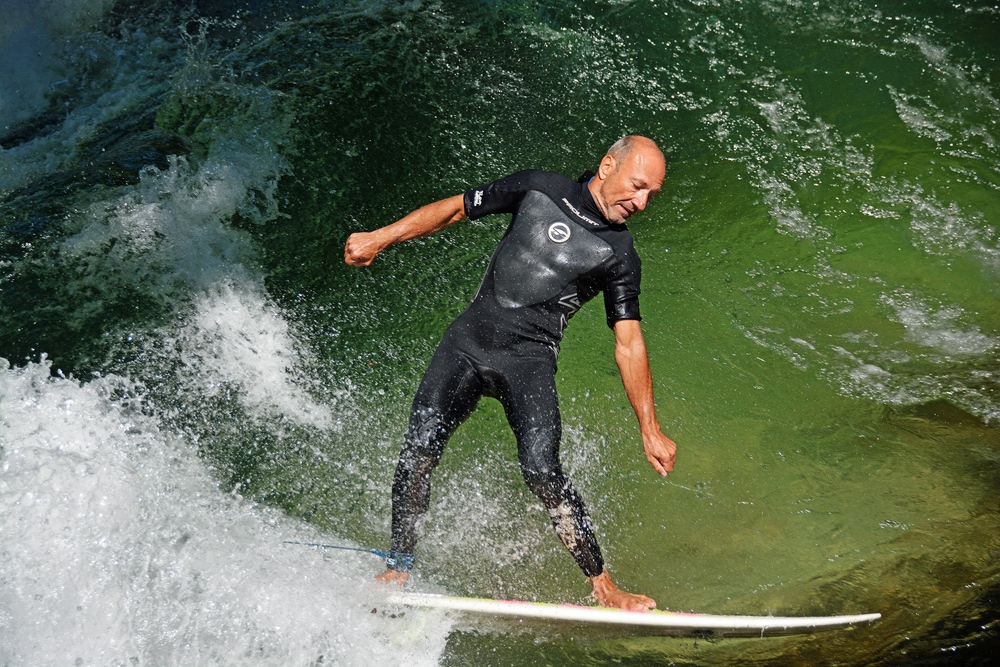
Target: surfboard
660,622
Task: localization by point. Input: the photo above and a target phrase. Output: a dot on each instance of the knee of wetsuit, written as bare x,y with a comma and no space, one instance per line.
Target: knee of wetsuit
427,431
539,459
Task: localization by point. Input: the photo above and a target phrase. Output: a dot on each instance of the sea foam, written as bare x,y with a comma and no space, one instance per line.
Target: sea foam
119,548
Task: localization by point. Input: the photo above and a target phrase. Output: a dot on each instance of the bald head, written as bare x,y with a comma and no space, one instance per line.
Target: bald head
629,175
624,147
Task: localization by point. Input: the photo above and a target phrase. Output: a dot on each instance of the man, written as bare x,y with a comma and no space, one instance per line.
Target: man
566,242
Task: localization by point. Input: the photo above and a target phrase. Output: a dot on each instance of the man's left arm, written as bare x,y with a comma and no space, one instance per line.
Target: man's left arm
633,362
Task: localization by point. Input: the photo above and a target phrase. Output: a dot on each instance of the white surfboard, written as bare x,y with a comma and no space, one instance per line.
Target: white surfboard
664,622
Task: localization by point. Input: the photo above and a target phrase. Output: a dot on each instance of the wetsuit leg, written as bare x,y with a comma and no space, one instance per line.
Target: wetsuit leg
528,395
447,396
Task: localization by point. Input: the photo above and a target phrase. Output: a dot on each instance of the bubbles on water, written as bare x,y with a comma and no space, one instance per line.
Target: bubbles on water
862,378
953,74
900,374
938,327
927,121
945,229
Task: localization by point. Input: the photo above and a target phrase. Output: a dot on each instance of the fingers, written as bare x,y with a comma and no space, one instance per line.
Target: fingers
668,462
657,466
356,253
661,453
354,260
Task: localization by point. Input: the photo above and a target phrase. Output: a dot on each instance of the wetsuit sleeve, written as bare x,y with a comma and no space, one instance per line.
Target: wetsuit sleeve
501,196
621,293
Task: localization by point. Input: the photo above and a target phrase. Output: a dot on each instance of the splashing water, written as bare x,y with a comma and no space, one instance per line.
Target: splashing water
193,376
120,548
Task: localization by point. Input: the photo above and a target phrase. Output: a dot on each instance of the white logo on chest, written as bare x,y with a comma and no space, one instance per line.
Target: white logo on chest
559,232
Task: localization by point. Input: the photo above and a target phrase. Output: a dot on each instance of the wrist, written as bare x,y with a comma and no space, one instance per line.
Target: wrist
650,427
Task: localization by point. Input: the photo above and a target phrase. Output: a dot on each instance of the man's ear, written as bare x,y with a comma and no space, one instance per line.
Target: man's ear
606,168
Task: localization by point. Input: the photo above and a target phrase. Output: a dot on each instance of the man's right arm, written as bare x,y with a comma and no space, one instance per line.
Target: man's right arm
362,247
633,362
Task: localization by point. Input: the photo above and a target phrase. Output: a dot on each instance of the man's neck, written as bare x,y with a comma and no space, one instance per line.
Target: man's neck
592,199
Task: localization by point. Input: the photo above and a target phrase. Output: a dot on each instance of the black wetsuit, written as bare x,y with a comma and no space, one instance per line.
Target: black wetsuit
557,253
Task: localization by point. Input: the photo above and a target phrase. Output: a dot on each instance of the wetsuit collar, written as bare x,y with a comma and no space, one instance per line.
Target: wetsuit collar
587,202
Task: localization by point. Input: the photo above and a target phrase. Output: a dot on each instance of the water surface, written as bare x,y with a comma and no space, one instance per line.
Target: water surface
193,376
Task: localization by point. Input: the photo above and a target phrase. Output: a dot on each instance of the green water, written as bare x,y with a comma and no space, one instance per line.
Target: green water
821,277
800,216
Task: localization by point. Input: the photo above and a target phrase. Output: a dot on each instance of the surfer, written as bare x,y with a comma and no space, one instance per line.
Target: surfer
566,242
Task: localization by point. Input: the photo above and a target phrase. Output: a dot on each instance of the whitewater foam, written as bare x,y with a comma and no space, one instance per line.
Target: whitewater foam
118,548
236,338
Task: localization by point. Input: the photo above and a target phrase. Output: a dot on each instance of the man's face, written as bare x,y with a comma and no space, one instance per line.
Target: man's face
622,190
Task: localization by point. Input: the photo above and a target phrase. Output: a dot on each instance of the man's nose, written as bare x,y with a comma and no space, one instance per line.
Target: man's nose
641,199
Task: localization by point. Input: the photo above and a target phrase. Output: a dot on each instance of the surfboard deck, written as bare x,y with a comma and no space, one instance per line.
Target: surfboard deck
662,622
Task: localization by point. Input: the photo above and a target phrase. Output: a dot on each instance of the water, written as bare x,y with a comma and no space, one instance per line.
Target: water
193,377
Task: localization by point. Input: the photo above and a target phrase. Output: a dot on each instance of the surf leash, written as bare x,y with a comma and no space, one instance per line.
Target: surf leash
395,560
376,552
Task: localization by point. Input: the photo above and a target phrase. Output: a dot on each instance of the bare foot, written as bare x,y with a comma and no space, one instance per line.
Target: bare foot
393,577
609,595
